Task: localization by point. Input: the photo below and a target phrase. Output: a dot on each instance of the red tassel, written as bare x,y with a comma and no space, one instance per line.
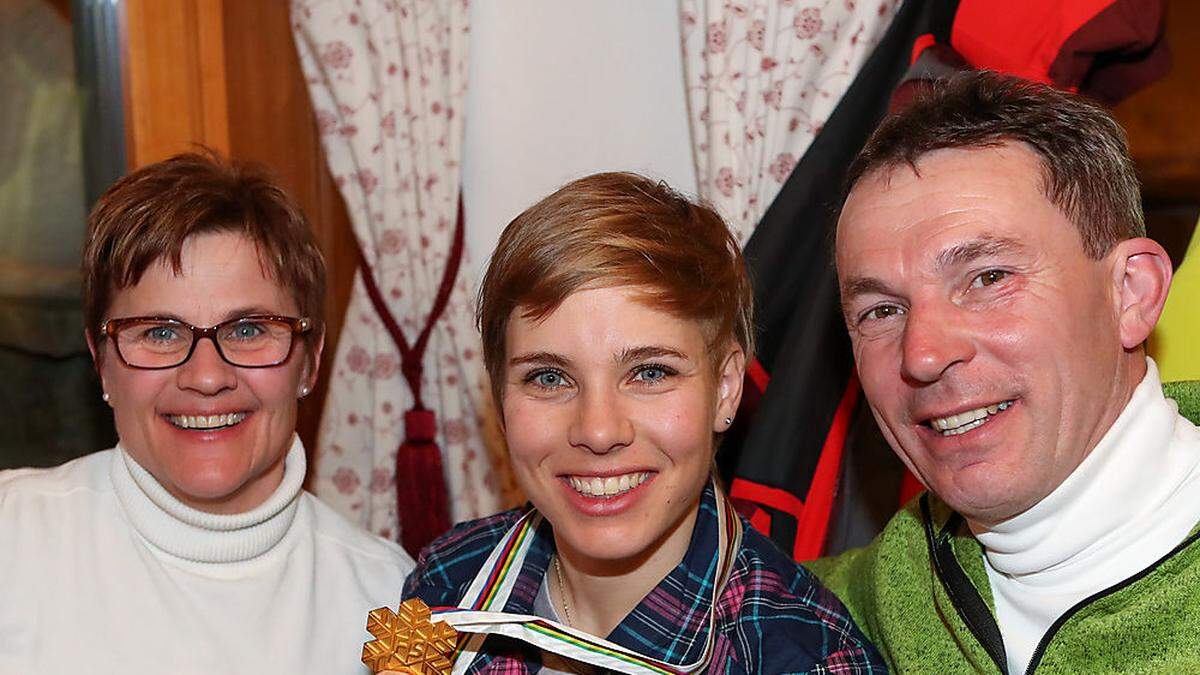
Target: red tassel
421,497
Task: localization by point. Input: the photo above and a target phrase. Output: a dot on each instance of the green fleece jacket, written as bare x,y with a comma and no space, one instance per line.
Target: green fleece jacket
920,593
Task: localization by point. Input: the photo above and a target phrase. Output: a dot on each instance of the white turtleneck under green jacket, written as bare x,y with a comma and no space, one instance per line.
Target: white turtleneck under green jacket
1132,499
103,571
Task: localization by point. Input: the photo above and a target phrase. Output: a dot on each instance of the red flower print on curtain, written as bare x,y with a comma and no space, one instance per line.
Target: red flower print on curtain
762,78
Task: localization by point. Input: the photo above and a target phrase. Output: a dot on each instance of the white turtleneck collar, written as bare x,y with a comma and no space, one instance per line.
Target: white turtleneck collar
1132,499
197,536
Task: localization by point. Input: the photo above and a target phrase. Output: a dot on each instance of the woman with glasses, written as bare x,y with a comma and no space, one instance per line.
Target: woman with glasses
191,546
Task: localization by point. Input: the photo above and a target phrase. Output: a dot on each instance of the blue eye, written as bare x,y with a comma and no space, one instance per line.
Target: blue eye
246,331
652,374
161,334
548,379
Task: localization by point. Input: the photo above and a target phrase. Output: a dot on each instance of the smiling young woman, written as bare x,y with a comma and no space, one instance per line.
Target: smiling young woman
616,323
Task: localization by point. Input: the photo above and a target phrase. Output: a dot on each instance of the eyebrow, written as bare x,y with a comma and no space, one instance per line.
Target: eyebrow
856,286
974,249
540,358
628,355
240,312
631,354
959,254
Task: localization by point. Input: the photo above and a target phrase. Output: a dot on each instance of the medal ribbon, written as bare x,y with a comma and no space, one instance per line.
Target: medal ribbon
480,611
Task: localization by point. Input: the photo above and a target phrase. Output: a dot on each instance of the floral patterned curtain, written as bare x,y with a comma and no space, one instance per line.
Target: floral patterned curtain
762,78
388,79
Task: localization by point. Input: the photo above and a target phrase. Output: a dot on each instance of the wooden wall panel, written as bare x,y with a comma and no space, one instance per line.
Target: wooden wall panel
174,62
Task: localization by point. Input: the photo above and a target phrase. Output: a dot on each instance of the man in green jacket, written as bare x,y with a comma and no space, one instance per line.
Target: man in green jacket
998,288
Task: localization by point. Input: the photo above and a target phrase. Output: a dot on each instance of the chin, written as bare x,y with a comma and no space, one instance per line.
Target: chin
984,501
609,543
209,487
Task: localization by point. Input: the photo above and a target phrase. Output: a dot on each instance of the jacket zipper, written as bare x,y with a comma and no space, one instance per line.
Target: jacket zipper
1044,643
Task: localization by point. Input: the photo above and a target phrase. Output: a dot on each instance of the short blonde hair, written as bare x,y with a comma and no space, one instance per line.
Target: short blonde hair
616,229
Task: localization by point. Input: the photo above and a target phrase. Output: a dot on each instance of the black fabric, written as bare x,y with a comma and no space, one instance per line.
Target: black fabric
963,595
802,341
869,486
941,19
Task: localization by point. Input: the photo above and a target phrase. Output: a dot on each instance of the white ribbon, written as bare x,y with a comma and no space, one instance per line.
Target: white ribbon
558,638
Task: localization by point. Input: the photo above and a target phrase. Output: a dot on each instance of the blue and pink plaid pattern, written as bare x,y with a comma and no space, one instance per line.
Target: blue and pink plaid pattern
773,616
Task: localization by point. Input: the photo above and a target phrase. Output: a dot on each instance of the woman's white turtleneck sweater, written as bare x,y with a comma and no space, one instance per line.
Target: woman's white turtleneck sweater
104,571
1133,499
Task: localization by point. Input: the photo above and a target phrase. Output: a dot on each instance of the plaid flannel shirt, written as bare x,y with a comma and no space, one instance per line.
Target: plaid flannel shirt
772,617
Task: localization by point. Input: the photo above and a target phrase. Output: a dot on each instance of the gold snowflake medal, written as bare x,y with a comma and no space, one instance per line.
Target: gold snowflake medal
409,642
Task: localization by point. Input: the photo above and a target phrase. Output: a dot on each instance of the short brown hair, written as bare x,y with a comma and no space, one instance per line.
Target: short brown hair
147,216
616,229
1087,170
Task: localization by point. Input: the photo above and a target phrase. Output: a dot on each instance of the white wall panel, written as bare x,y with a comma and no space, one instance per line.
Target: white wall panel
563,88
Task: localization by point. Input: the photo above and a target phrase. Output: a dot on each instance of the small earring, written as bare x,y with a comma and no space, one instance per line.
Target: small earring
728,421
304,391
104,396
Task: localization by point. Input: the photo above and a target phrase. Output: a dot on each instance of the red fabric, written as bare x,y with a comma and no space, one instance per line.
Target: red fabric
761,521
420,460
1117,52
812,515
420,426
758,375
922,43
814,523
1019,37
776,498
910,487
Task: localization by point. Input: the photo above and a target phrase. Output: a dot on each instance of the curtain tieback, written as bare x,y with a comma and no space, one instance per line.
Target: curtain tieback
422,501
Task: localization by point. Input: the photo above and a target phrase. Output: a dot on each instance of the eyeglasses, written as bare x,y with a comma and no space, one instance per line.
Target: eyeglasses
153,343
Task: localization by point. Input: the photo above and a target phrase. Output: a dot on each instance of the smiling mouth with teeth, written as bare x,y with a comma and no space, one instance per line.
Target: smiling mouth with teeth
953,425
608,486
206,422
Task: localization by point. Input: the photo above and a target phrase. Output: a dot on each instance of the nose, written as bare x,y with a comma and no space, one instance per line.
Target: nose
206,372
600,425
935,340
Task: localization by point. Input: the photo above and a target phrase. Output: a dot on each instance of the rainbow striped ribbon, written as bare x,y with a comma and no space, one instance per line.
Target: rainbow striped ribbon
479,613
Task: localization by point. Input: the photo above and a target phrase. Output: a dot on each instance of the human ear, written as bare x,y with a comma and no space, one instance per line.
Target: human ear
730,376
97,362
1142,277
312,363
